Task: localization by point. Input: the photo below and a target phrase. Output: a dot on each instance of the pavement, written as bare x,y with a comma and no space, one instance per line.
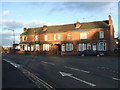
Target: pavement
14,78
72,71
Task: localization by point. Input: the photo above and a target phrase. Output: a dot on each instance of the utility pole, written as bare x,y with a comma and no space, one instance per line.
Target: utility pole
13,35
13,39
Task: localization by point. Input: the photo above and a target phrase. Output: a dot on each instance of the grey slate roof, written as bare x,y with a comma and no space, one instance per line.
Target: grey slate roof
68,27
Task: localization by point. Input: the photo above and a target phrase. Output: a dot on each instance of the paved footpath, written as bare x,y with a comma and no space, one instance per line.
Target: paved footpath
13,78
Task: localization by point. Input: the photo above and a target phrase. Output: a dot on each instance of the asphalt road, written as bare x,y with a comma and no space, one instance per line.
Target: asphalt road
72,71
13,78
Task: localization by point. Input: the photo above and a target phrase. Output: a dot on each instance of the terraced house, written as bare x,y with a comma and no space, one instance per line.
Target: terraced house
69,39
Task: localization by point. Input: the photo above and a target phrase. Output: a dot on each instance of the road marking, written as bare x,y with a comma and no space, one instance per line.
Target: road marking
33,78
43,82
108,69
14,64
47,62
116,78
77,69
70,75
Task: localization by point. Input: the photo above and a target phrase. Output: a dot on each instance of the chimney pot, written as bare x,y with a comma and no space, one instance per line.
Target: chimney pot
45,27
25,29
78,24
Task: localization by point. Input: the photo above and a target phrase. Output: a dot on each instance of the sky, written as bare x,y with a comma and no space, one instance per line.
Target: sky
16,15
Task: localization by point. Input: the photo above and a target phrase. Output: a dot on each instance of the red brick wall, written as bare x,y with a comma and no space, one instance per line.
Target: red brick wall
93,37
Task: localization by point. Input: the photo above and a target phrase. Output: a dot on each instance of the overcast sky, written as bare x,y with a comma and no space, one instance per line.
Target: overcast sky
16,15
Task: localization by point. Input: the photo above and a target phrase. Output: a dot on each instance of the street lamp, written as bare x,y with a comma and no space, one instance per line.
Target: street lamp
13,35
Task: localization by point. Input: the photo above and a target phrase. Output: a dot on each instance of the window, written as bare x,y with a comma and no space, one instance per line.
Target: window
69,46
82,46
46,47
94,46
28,48
63,47
24,38
102,46
83,35
59,36
101,34
32,47
37,47
69,36
88,46
45,37
24,47
54,36
36,38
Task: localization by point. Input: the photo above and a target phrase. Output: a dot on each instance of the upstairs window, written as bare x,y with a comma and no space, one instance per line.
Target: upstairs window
36,38
69,36
59,36
24,38
101,34
45,37
83,35
54,36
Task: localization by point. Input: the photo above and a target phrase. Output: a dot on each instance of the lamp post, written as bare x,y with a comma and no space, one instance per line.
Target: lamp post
13,35
13,39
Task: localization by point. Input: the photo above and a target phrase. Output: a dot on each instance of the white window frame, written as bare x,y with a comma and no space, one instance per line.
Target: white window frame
25,47
23,38
46,47
94,47
81,46
37,47
36,37
63,47
28,48
69,36
69,46
83,35
101,34
32,47
55,36
46,37
102,47
59,36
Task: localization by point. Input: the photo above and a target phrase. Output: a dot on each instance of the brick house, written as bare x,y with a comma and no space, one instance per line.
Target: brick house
69,39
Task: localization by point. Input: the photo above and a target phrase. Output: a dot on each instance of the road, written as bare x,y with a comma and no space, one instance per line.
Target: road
71,71
13,78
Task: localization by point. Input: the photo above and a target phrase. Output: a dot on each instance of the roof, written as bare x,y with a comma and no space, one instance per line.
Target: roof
68,27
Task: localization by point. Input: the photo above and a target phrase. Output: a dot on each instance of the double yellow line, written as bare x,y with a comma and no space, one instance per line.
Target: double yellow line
45,84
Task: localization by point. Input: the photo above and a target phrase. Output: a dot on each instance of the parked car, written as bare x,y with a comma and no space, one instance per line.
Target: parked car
117,50
91,53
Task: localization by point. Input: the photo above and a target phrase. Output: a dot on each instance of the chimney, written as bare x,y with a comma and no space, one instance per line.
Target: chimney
110,19
25,29
112,43
45,27
78,24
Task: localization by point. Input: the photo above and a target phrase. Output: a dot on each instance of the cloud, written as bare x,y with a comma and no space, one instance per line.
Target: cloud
11,24
81,6
6,13
7,37
17,24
